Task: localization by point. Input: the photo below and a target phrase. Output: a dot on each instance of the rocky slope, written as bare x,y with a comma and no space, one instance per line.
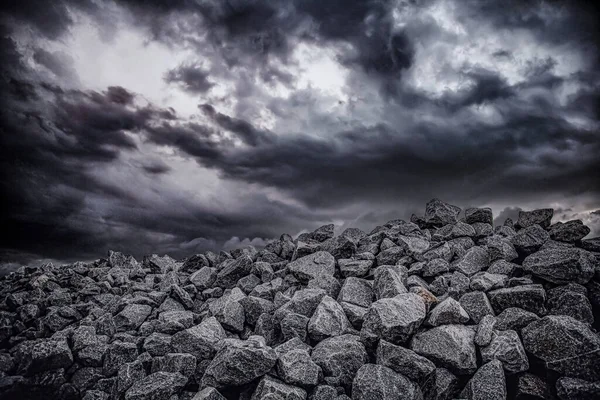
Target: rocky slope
445,306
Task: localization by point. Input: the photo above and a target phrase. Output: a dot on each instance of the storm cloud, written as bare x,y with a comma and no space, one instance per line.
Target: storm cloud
176,127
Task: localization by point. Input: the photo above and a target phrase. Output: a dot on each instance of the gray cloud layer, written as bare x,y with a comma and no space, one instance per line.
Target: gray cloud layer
467,101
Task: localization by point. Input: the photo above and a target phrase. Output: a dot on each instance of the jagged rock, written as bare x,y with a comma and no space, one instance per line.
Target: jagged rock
294,325
351,267
239,362
531,387
356,291
378,382
441,384
132,317
324,392
234,270
229,311
571,300
297,368
391,255
530,239
451,346
439,213
328,283
561,265
404,361
129,374
389,281
592,244
447,312
328,320
500,248
42,355
577,389
271,388
158,344
201,340
540,217
507,348
209,393
158,386
488,383
485,281
550,339
394,319
117,354
474,215
485,330
514,318
477,305
453,231
528,297
311,266
254,307
571,231
204,278
340,357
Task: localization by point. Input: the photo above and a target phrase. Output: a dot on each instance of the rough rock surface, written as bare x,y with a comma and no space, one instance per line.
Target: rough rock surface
444,306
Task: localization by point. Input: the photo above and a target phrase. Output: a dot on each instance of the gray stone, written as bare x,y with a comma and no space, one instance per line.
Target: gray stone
117,354
132,317
200,340
447,312
209,393
404,361
439,213
313,265
158,386
297,368
294,325
328,320
528,297
577,389
351,267
550,339
229,311
503,267
488,383
485,281
390,256
500,248
453,231
233,271
129,374
324,392
291,345
485,330
531,387
378,382
204,278
158,344
451,346
239,362
530,239
394,319
340,357
441,384
514,318
254,307
561,265
328,283
181,363
389,281
571,300
474,215
272,389
435,267
477,305
356,291
541,217
571,231
507,348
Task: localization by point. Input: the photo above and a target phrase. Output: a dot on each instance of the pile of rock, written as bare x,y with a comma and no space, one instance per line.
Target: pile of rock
440,307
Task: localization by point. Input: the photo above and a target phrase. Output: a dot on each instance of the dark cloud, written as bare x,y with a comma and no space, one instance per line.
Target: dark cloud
190,77
84,171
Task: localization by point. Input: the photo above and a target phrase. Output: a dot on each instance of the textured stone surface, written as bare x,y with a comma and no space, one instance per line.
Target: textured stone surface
394,319
488,383
378,382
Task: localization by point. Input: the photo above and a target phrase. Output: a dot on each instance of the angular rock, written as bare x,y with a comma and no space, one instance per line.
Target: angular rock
200,340
351,267
294,325
41,355
209,393
531,387
340,357
311,266
378,382
439,213
477,305
550,339
297,368
540,217
561,265
577,389
571,231
389,281
448,312
485,281
328,283
356,291
488,383
507,348
233,271
530,239
158,386
132,317
271,388
404,361
485,331
117,354
451,346
394,319
571,300
528,297
328,320
474,215
514,318
441,384
204,278
239,362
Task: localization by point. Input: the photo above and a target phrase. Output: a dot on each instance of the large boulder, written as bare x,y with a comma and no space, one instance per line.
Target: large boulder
439,213
200,340
451,346
378,382
540,217
561,265
42,355
328,320
528,297
565,345
571,231
404,361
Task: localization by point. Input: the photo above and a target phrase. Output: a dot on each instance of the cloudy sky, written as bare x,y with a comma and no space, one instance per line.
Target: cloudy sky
176,127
